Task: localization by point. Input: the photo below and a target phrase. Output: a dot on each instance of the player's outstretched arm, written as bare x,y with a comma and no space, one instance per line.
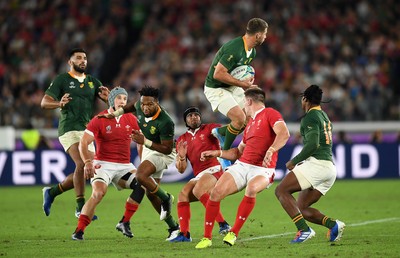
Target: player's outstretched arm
49,102
130,107
107,115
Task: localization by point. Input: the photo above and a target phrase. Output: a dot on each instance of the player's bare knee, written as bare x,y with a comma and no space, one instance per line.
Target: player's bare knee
303,207
216,194
238,123
79,164
139,176
251,191
98,195
198,192
183,197
241,120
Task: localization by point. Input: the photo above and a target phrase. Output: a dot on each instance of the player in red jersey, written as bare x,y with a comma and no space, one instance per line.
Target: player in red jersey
190,145
264,135
111,163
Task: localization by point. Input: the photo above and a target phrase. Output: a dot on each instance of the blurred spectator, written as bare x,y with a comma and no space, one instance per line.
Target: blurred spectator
377,137
35,35
342,138
350,48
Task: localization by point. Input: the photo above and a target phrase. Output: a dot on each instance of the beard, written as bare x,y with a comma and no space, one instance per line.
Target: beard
258,42
194,126
78,68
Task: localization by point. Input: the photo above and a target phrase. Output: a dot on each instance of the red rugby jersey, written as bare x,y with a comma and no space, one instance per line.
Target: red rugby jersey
113,137
199,141
259,136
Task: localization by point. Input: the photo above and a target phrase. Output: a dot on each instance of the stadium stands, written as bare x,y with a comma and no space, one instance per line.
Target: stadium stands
350,48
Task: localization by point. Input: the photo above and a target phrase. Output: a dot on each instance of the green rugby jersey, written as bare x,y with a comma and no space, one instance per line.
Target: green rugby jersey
231,55
316,130
159,127
78,112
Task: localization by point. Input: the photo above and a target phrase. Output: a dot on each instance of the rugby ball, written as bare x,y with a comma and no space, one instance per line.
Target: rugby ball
243,72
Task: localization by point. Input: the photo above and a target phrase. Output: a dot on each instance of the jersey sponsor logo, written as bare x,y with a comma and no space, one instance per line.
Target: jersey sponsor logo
118,125
91,85
229,58
152,130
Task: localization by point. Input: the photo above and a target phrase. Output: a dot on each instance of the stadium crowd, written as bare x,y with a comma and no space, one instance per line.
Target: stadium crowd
350,48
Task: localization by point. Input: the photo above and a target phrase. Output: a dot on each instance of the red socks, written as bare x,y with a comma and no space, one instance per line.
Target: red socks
203,199
83,222
212,210
130,209
184,216
245,208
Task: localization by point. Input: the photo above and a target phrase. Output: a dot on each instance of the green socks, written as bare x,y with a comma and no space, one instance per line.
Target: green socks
300,222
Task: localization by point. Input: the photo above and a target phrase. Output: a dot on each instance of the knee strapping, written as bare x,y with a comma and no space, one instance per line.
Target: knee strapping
138,191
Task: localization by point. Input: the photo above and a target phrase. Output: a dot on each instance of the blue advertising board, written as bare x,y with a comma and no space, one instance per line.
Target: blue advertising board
358,161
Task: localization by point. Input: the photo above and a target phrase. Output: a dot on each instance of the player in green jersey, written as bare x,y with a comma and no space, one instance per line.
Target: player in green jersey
157,137
224,92
75,93
312,171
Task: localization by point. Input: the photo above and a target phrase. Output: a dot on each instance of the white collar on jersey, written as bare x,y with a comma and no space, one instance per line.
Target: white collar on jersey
195,131
256,113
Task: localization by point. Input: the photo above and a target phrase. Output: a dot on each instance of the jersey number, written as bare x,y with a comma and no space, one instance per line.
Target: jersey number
328,133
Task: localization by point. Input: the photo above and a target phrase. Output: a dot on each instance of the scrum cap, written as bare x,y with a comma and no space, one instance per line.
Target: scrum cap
113,94
189,110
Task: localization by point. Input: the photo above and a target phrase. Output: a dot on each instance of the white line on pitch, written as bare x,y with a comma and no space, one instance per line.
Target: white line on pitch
268,236
349,225
372,222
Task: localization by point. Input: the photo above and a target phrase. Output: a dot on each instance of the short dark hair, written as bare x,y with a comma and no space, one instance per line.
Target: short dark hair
255,94
313,94
149,91
76,50
256,25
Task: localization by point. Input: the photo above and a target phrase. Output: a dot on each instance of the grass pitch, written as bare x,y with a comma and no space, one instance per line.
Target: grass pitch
370,209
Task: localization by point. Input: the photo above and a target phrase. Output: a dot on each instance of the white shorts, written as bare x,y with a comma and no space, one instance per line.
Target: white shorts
224,99
159,160
242,173
72,137
111,172
318,174
211,170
